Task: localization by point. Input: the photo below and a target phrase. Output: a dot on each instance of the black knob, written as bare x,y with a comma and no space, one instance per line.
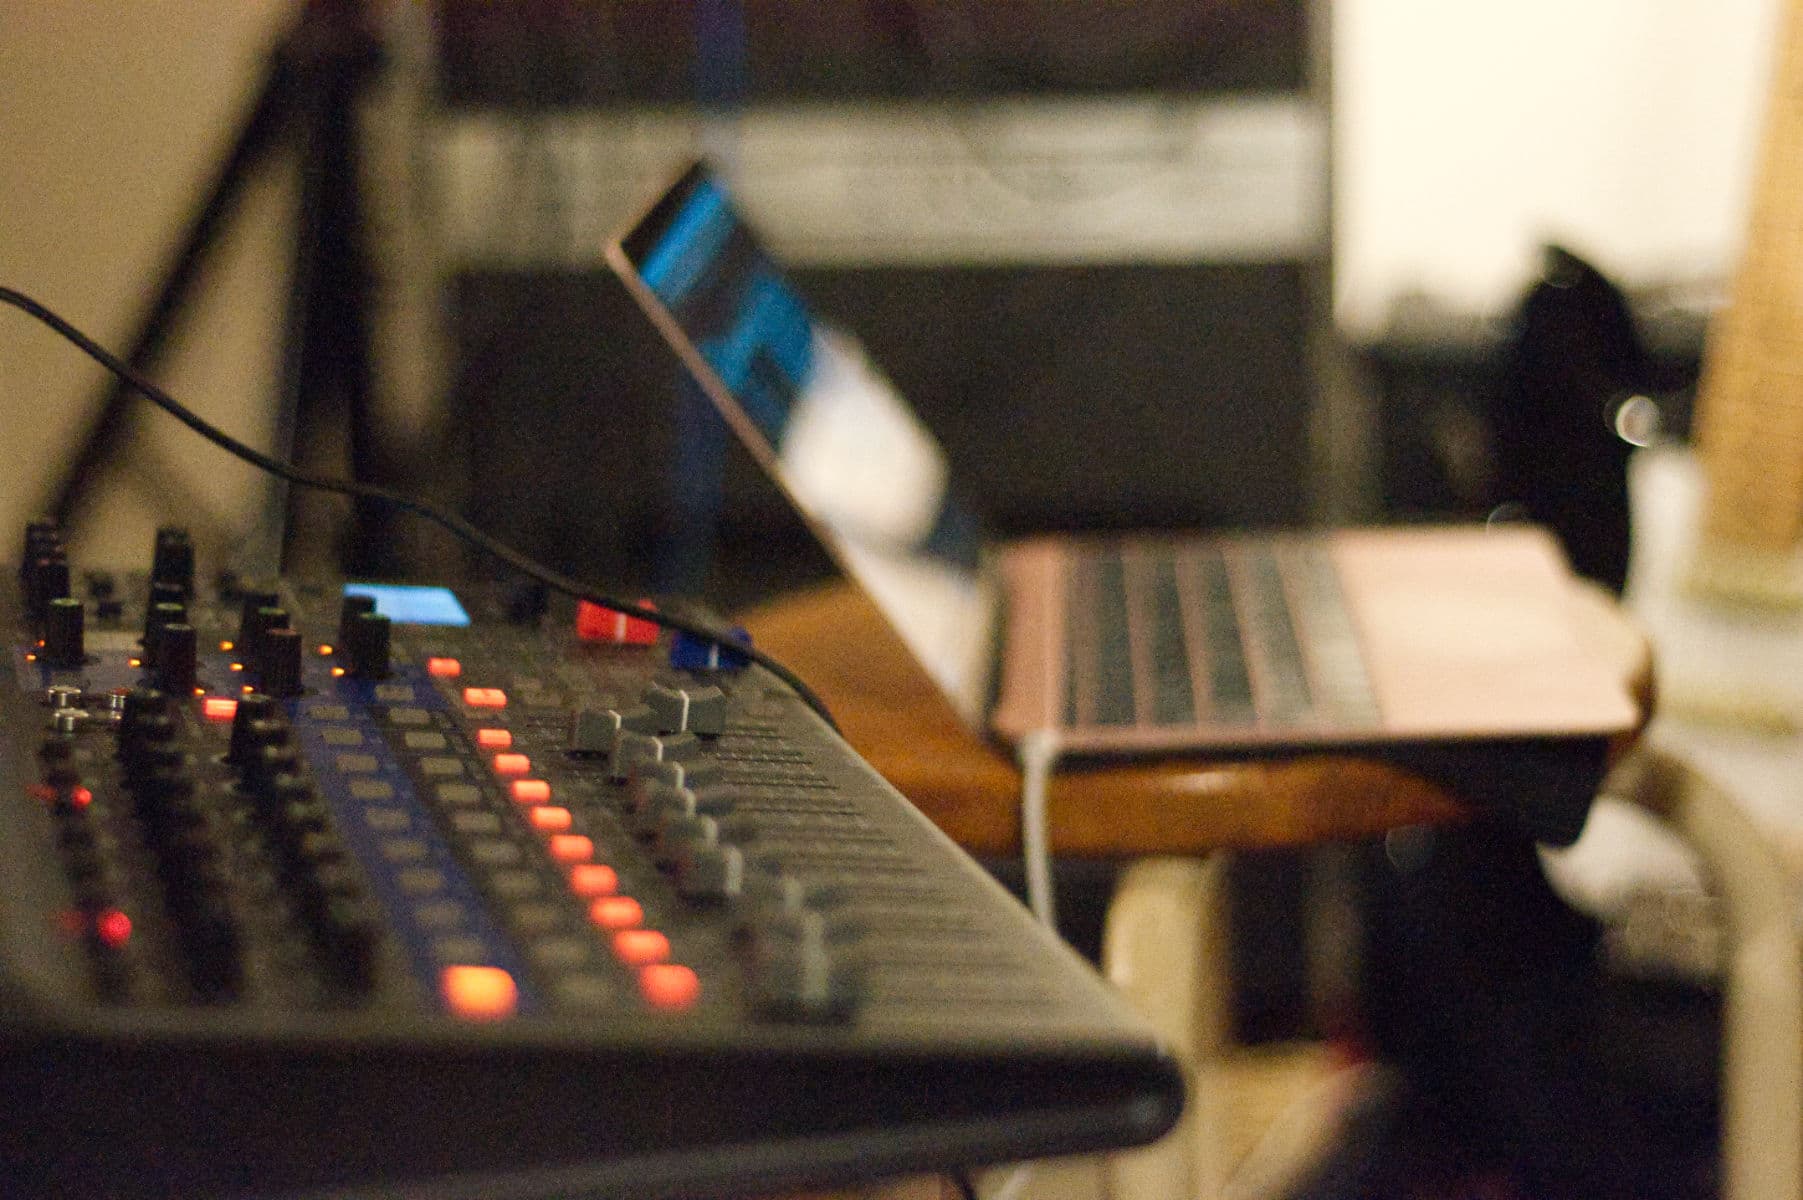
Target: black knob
172,562
164,612
47,580
252,708
64,623
252,600
349,609
256,623
41,537
141,703
176,658
279,662
368,646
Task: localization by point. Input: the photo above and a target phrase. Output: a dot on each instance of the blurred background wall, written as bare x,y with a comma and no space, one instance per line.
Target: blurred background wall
1463,136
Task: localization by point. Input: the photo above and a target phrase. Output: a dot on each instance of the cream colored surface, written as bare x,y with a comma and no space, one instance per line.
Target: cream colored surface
114,117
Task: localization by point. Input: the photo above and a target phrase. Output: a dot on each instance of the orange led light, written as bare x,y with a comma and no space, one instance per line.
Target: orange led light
337,672
512,764
530,791
494,739
443,668
547,818
570,847
130,662
590,880
219,708
247,689
30,657
235,667
477,697
641,947
669,986
226,647
81,797
479,993
325,649
616,912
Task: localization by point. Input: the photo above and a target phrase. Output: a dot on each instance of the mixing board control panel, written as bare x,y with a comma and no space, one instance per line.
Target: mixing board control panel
313,888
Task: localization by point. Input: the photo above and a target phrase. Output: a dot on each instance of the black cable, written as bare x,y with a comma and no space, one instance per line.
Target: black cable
449,521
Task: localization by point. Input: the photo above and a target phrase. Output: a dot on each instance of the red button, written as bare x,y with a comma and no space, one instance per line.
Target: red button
669,986
616,912
597,624
113,928
494,739
547,819
479,993
641,947
477,697
219,708
512,764
530,791
443,668
593,879
570,847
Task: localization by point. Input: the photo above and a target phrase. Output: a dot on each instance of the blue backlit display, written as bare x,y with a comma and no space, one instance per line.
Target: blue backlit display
412,605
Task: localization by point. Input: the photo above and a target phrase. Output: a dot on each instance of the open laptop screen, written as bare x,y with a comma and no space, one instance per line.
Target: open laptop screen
837,438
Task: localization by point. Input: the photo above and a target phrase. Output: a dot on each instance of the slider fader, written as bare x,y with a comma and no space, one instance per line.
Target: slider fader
318,889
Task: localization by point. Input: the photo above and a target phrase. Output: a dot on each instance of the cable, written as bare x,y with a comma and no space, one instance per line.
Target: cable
449,521
961,1180
1038,752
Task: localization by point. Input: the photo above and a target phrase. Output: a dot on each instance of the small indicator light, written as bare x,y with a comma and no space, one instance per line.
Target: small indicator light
227,647
113,928
616,912
479,993
494,739
325,649
219,708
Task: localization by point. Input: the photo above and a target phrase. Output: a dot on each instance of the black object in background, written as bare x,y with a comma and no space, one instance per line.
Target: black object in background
1575,360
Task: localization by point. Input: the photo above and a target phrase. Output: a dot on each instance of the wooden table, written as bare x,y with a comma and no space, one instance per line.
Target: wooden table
891,713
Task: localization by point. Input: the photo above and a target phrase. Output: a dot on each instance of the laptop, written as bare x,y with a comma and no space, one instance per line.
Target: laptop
1119,644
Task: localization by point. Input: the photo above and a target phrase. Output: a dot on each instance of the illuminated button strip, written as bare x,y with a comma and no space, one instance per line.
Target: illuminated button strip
662,984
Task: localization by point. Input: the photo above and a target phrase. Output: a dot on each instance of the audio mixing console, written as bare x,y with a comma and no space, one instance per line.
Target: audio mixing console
319,889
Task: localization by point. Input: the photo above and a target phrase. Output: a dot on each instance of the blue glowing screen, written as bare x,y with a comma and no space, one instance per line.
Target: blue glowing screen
412,605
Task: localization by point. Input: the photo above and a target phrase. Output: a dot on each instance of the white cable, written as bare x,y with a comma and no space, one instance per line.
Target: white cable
1038,752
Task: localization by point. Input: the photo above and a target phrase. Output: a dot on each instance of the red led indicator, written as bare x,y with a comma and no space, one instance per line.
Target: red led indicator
479,993
477,697
494,739
530,791
219,708
113,928
549,819
669,986
512,764
616,912
570,847
81,797
443,668
590,880
641,947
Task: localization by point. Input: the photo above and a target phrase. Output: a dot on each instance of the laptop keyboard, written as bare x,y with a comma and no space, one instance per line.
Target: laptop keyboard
1187,633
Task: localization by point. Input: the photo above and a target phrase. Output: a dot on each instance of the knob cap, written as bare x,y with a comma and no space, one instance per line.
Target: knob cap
47,580
368,646
255,711
172,561
349,609
250,601
64,623
176,665
164,612
279,662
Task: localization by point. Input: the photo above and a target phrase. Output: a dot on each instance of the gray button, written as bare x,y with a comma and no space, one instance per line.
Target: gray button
441,767
476,821
409,716
535,917
424,739
458,949
354,764
561,953
405,850
493,852
394,693
387,820
587,989
339,735
328,712
461,794
437,914
421,881
511,883
372,789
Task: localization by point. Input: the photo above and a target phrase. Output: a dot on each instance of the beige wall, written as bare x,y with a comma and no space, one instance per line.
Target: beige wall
114,116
